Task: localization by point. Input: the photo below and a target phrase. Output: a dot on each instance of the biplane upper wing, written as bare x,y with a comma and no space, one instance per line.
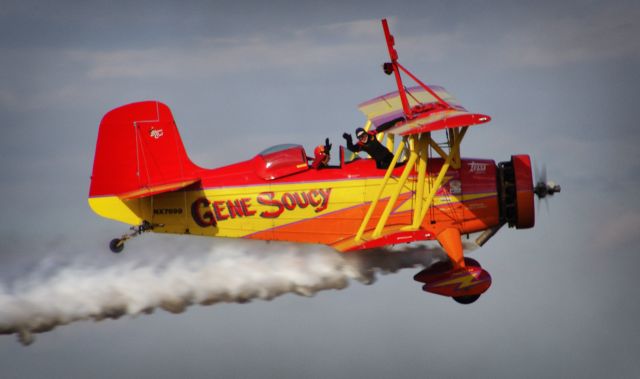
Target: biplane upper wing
386,112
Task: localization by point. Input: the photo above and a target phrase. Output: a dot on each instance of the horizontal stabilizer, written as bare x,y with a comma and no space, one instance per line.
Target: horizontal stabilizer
157,188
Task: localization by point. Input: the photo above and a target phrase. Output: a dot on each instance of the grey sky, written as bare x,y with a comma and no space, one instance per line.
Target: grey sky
559,80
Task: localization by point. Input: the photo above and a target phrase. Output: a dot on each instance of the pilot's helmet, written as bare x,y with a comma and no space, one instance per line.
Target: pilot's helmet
319,154
360,133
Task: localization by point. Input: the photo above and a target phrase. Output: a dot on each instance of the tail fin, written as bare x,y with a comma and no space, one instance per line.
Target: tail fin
139,153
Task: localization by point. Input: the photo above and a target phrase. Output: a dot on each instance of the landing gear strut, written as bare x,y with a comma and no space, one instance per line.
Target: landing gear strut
464,285
459,277
117,244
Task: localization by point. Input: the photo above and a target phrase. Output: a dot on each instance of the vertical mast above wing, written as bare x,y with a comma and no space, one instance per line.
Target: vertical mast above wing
396,67
393,55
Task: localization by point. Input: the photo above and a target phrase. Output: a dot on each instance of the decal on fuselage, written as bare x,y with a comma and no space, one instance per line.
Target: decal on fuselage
156,133
167,211
207,212
478,167
455,187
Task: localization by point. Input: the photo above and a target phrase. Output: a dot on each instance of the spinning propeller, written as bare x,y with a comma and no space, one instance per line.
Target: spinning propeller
544,187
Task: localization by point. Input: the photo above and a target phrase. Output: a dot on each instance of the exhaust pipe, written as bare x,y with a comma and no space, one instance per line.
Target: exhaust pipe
487,234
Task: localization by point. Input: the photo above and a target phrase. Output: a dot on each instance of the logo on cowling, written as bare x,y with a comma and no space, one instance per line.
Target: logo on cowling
477,167
156,133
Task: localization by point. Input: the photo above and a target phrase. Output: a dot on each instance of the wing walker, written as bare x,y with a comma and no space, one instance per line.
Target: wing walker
143,177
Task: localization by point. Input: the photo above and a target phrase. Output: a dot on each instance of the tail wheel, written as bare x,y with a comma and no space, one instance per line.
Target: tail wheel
116,245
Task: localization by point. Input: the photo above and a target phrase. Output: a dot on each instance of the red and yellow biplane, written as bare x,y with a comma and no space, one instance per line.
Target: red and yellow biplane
142,176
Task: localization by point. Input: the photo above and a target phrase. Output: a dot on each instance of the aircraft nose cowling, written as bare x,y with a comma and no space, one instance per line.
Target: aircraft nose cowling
525,215
516,192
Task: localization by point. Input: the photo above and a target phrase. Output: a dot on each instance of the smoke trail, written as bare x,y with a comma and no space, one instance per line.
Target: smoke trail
230,271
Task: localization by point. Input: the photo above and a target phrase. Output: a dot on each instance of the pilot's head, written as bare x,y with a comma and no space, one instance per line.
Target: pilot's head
321,155
362,135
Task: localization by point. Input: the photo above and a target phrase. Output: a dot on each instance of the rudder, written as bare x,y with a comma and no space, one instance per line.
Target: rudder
138,150
139,153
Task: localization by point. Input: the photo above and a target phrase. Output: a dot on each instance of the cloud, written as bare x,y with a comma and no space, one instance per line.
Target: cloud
7,98
618,232
338,45
73,74
310,48
609,33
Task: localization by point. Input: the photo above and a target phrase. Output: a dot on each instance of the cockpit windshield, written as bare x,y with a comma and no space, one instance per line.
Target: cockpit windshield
277,148
281,160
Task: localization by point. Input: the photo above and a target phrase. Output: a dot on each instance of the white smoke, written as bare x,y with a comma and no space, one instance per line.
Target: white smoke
231,271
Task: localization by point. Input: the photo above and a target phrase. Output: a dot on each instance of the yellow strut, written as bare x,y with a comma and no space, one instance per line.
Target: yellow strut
455,160
390,141
374,203
445,167
418,148
423,150
437,148
394,197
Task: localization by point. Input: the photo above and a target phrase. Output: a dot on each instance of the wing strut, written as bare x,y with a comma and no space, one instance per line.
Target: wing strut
419,146
416,145
454,151
387,175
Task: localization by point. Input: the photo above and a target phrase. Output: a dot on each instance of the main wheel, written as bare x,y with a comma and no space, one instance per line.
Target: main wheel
466,299
116,245
471,262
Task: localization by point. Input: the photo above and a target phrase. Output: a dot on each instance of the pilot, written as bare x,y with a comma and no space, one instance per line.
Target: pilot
322,155
368,142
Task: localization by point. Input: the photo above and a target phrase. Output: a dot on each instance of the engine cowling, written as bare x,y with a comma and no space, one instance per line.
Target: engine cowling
515,188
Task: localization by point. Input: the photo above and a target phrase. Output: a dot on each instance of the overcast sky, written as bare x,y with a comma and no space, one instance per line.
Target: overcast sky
560,81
